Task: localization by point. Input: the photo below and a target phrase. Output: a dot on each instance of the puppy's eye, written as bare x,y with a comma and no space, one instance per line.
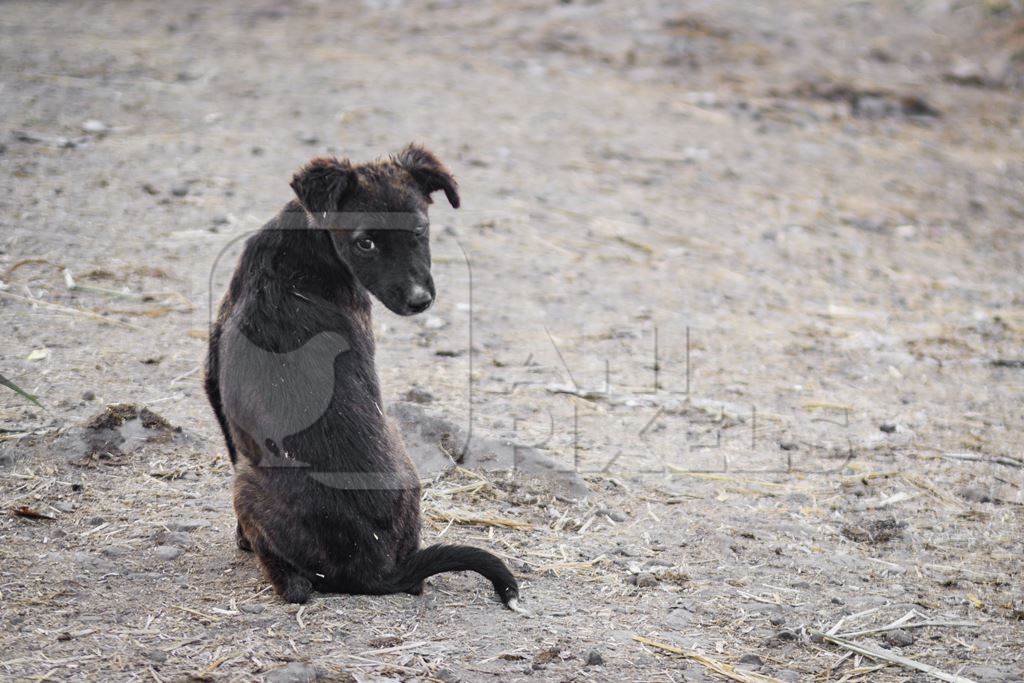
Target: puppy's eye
419,230
365,244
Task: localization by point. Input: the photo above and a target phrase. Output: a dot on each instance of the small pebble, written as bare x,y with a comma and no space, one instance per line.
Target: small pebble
418,395
167,552
296,672
975,494
594,658
446,676
251,608
617,515
88,396
899,638
178,538
94,126
887,427
646,580
188,524
751,661
777,619
179,190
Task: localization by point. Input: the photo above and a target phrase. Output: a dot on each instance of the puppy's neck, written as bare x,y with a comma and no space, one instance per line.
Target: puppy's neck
308,265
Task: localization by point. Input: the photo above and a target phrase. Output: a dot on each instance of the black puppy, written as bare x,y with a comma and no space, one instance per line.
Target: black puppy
325,493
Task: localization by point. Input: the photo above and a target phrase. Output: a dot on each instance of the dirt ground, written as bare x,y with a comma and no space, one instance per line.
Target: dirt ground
753,269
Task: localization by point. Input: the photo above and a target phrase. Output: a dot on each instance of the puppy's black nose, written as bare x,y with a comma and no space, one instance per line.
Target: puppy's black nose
419,299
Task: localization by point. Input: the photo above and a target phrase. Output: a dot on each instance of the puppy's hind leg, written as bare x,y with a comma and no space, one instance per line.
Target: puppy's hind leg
287,581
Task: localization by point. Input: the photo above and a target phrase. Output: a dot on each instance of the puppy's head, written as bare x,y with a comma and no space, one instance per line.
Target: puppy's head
376,214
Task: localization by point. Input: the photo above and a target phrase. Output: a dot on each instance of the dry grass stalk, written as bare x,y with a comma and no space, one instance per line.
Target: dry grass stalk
68,309
725,477
468,518
918,624
883,655
720,668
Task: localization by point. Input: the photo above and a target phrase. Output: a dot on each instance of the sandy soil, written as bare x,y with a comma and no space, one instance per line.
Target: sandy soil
754,271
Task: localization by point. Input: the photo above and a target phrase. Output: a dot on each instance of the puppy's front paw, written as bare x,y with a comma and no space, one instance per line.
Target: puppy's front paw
297,589
240,539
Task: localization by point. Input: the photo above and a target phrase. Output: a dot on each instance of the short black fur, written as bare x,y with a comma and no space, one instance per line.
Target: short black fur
325,494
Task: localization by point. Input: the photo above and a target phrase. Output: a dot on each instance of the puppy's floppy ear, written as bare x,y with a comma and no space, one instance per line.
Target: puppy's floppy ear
322,184
428,172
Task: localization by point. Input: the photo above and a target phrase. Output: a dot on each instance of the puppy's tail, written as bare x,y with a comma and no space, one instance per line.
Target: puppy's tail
438,559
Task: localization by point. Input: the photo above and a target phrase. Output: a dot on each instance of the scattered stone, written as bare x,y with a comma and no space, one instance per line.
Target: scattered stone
95,521
446,676
114,552
899,638
789,445
309,139
615,515
296,672
866,103
90,562
251,608
594,658
876,531
88,395
887,427
434,322
544,657
679,617
777,619
646,580
178,538
95,127
167,552
150,189
994,74
992,674
418,395
156,656
751,661
64,506
786,634
179,190
789,676
975,494
25,136
188,524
